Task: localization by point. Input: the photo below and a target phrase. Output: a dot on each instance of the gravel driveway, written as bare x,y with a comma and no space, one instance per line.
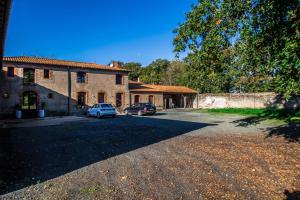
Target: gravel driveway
173,155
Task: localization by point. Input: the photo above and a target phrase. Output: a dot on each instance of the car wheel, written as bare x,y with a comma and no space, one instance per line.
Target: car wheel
88,114
140,113
98,115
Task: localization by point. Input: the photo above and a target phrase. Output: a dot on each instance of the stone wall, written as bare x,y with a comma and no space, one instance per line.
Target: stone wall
245,100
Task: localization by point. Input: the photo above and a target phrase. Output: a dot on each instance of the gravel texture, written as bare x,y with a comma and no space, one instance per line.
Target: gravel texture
173,155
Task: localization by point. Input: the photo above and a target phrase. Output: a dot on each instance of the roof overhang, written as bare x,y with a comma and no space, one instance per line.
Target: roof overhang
62,64
138,87
161,92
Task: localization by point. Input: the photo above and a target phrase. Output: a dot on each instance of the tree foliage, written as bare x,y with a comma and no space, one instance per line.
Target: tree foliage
160,71
175,74
246,46
154,72
234,46
136,70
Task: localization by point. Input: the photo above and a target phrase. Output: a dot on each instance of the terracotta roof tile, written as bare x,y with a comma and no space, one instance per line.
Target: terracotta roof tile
141,87
62,63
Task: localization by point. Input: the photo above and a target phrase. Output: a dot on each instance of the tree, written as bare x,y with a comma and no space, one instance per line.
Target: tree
262,48
247,45
154,72
175,74
136,70
206,35
287,80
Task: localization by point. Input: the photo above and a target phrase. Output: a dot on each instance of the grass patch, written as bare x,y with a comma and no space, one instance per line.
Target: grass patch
285,122
88,191
283,115
239,111
91,190
48,185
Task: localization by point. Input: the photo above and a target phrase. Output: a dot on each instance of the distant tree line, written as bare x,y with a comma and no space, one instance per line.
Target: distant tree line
233,46
160,71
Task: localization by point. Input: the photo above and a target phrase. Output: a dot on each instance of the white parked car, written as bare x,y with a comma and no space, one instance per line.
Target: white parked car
101,110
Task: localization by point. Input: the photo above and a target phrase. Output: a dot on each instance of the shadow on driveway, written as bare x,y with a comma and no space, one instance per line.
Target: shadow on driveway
37,154
292,195
289,131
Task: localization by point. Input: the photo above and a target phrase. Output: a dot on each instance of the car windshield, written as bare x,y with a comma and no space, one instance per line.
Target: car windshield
106,106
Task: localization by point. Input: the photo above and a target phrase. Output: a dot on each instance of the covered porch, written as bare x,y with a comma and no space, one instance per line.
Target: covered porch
163,96
178,100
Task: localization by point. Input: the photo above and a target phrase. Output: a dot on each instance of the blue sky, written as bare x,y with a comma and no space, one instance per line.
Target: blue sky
95,30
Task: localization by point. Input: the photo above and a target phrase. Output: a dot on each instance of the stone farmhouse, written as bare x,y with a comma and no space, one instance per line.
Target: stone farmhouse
68,87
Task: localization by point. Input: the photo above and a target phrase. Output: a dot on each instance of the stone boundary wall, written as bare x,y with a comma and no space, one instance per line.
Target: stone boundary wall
245,100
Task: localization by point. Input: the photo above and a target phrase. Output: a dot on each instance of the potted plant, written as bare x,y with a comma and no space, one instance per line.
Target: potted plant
18,110
42,110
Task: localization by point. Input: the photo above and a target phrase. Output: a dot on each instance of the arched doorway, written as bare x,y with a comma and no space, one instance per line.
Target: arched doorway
137,99
29,104
151,99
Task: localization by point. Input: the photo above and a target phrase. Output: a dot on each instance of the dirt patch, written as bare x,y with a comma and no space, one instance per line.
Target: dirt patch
155,158
222,167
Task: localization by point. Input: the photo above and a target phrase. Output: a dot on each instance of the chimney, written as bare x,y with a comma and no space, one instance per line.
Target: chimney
116,64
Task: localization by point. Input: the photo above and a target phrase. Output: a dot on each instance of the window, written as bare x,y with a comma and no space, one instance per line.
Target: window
101,98
10,72
81,98
119,79
28,76
136,98
50,96
46,74
81,77
119,99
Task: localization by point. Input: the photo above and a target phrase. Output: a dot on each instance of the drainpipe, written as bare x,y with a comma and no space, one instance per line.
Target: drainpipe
69,91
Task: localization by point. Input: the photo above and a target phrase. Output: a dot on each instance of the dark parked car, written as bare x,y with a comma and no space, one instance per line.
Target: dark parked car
140,109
